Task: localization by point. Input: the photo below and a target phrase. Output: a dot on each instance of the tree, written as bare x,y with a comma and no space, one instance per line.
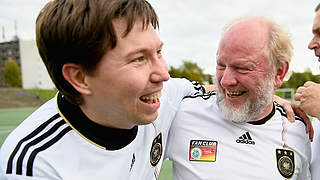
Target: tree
190,71
12,74
298,79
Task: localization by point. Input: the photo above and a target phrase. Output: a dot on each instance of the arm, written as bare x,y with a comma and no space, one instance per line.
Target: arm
209,87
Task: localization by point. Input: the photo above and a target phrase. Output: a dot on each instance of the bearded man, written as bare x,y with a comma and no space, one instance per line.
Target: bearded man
238,132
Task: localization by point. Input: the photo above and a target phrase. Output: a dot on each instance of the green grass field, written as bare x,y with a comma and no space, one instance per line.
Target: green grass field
10,118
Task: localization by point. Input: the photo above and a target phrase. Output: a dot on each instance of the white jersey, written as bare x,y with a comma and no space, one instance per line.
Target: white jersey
315,145
203,145
59,142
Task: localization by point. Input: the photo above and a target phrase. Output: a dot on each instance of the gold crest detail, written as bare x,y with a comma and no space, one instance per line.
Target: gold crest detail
285,162
156,150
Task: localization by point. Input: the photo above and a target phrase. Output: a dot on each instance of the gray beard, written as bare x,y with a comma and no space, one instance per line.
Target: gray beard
252,108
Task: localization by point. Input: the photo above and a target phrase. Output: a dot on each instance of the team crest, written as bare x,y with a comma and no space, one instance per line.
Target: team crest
203,150
285,162
156,150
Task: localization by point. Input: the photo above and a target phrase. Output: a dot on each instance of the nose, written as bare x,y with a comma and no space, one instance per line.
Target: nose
314,43
228,78
160,71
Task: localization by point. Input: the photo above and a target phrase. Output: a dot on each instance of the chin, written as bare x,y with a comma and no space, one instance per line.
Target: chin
147,119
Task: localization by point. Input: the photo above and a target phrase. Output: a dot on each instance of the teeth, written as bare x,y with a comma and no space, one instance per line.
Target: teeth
235,93
151,98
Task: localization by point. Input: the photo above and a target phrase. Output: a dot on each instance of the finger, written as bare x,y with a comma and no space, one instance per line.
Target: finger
290,112
308,83
308,126
311,134
297,96
300,90
304,116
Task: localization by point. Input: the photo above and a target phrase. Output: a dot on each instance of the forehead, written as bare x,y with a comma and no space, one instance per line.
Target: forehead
244,40
316,21
139,37
137,43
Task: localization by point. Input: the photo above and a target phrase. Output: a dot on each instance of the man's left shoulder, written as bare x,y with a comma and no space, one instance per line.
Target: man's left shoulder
283,113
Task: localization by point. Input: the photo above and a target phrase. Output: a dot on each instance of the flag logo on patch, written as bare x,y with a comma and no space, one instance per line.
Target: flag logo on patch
203,150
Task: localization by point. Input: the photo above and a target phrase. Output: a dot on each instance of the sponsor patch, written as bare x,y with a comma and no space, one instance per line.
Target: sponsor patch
203,150
156,150
285,162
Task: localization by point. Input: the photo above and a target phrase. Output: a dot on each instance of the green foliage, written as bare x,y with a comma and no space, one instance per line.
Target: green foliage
190,71
44,93
12,74
298,79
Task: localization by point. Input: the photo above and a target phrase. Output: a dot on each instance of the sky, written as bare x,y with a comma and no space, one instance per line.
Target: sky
191,29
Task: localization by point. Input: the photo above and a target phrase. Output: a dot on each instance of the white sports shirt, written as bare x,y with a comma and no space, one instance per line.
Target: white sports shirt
315,145
203,145
59,142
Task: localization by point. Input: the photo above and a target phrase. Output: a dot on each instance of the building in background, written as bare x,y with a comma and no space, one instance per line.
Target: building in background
33,72
8,50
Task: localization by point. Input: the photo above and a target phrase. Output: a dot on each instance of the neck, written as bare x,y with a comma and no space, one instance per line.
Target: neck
265,113
104,117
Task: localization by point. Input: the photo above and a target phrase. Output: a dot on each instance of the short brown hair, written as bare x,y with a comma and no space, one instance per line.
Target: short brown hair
317,8
81,32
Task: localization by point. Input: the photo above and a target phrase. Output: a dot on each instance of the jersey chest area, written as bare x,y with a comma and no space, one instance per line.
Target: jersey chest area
141,159
238,152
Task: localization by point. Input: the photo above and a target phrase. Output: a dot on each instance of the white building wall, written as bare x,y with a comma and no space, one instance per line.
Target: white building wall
33,71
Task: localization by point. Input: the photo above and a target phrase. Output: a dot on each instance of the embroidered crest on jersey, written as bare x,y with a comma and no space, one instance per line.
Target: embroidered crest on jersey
245,139
285,162
156,150
203,150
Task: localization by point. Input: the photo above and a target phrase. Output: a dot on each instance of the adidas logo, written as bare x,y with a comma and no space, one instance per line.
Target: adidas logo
245,139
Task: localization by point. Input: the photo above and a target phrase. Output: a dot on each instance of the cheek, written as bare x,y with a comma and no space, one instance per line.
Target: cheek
219,75
136,82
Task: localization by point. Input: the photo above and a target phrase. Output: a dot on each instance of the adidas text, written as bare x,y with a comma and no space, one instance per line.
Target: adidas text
245,141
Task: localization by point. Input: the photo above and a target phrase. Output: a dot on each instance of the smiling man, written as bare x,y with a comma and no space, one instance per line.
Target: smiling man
111,117
239,132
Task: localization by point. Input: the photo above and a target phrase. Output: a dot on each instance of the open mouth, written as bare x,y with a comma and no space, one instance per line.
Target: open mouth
151,99
235,93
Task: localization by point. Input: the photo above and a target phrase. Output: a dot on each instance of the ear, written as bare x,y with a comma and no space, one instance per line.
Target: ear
281,73
75,75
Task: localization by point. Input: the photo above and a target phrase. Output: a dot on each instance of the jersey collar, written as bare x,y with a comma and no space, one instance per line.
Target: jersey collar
265,119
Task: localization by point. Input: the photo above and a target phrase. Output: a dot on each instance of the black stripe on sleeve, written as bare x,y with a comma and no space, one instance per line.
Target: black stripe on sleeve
42,148
31,135
34,142
204,96
283,113
198,86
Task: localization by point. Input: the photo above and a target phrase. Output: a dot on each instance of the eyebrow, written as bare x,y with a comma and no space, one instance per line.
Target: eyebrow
316,30
141,50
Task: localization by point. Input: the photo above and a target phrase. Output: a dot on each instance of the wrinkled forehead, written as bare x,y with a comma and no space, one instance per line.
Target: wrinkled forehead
316,22
248,35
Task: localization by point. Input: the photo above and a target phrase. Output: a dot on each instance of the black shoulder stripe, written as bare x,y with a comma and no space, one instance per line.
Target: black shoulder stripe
204,96
44,147
29,136
34,142
283,113
198,87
